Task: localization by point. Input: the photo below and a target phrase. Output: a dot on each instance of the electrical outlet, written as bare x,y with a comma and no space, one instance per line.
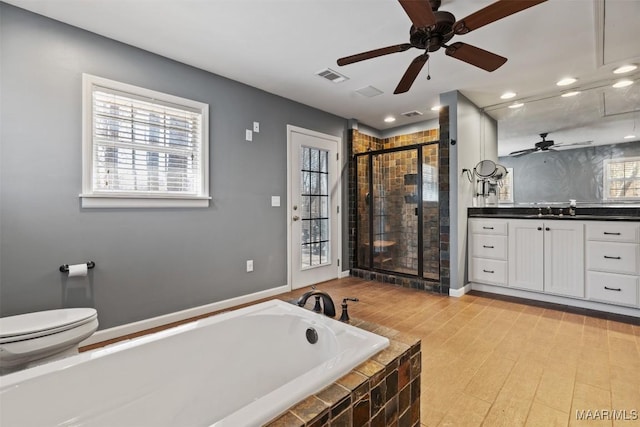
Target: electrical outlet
256,127
249,265
249,135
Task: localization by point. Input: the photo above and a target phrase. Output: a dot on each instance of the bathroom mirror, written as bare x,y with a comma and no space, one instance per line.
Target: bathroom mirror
485,168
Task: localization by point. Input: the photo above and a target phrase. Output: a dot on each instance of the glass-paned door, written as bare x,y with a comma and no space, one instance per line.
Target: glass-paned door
314,195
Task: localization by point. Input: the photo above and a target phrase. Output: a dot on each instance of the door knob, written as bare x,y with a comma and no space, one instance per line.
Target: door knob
296,217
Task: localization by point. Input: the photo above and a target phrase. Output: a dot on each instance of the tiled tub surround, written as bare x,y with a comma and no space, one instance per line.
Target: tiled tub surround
383,391
178,387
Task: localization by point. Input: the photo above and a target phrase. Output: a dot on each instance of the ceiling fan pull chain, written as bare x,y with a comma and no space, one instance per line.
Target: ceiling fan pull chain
428,71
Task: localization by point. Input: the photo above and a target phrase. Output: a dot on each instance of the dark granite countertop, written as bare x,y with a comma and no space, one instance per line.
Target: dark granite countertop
583,213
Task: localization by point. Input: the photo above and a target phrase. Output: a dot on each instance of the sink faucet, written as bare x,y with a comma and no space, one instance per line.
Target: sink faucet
327,303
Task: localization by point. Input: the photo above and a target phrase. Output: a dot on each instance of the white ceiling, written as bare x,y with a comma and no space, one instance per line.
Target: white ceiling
279,45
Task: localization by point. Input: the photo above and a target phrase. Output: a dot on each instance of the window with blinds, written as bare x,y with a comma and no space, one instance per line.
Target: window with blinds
145,145
622,178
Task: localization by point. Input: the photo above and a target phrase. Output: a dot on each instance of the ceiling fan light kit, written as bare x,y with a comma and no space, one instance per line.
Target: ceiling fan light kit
432,29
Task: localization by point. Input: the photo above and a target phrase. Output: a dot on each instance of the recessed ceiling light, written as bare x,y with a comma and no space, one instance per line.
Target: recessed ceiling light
436,108
625,68
629,137
389,119
507,95
622,83
566,81
572,93
516,105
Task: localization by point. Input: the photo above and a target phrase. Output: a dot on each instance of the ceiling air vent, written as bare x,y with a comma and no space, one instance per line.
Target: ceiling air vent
369,91
413,113
332,76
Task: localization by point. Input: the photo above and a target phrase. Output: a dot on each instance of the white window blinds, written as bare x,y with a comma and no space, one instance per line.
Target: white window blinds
144,146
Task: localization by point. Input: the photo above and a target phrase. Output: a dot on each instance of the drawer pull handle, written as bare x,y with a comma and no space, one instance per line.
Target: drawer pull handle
489,271
487,246
539,228
547,228
611,234
487,228
612,289
612,257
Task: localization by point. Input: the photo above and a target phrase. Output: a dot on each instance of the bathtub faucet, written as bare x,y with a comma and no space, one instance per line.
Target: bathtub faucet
327,303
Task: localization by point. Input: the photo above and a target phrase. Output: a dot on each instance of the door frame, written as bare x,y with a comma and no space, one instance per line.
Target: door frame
338,195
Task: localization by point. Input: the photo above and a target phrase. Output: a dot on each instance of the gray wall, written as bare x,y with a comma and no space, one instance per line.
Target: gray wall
562,175
149,261
476,136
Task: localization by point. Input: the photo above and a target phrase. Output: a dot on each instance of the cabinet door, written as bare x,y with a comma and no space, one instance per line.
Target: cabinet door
526,254
564,258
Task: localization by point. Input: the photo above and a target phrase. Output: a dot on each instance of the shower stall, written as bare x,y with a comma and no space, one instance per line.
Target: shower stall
397,214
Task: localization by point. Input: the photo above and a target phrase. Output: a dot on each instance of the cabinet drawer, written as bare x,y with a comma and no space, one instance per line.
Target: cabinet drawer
613,231
612,288
488,271
488,226
613,257
489,246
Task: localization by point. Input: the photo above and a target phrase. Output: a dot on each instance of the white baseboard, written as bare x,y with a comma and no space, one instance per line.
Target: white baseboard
557,299
132,328
344,274
459,292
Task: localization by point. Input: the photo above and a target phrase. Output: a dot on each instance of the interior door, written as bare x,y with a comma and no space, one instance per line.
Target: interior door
314,194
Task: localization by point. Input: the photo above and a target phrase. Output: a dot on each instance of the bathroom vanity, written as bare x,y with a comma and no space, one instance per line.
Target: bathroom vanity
589,260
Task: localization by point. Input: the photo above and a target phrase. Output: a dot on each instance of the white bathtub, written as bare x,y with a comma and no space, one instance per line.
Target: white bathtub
240,368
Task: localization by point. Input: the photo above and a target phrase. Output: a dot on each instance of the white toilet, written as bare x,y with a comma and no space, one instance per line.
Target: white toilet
32,339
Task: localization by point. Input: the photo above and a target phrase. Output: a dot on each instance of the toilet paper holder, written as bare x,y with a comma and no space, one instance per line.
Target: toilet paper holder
65,267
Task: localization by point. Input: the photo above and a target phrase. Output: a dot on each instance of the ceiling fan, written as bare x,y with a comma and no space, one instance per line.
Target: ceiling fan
546,145
432,29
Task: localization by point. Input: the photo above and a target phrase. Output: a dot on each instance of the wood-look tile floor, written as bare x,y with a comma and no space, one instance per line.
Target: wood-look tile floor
489,362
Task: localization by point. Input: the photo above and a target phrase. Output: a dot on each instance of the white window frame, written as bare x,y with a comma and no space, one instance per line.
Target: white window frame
507,182
92,198
606,179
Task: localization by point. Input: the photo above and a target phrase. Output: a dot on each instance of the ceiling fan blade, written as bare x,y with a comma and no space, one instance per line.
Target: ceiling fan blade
475,56
522,152
411,74
574,144
374,53
493,12
419,12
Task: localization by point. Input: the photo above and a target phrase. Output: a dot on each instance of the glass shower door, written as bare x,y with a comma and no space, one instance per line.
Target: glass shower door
394,204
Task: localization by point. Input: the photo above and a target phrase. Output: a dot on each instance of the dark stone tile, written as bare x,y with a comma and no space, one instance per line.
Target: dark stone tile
361,412
404,399
352,380
320,420
309,409
415,391
392,384
341,406
391,410
342,420
405,419
404,374
378,397
416,364
333,394
379,420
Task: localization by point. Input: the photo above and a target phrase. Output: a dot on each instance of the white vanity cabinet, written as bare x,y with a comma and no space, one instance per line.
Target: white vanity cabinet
593,264
488,251
547,256
613,262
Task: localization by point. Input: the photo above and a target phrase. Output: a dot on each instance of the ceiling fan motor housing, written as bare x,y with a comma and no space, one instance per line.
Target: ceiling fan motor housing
434,37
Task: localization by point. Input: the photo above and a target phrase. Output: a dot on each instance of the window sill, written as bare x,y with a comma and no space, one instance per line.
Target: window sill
142,201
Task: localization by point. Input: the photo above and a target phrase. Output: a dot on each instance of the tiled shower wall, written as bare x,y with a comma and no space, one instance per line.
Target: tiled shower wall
403,218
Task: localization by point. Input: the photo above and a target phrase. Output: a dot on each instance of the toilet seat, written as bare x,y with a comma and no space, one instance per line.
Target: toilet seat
39,324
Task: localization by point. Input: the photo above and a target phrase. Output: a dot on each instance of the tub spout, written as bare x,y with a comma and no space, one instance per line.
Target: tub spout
328,307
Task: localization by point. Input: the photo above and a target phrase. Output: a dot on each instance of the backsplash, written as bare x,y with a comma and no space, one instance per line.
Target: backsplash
562,175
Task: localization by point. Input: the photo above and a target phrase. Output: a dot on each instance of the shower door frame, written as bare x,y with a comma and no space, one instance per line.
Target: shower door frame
370,213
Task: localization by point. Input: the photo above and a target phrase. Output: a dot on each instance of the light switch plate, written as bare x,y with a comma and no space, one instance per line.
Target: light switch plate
256,127
249,135
249,265
275,201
